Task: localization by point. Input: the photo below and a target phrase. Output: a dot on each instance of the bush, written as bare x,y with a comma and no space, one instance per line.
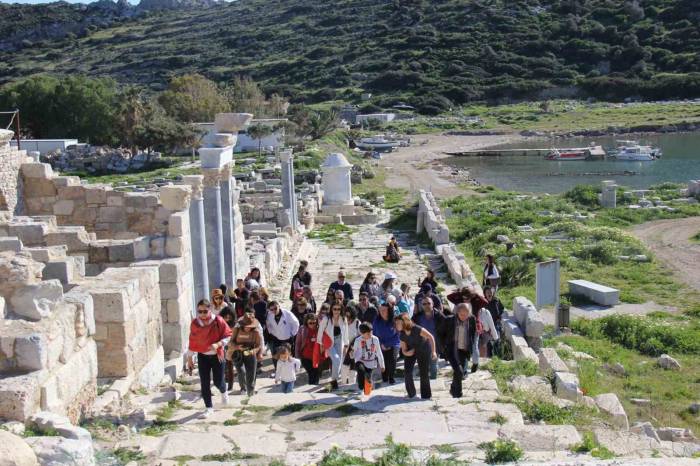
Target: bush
515,272
586,195
501,451
647,336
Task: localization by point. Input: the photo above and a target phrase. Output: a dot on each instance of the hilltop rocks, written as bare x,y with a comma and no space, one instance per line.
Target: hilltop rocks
667,362
609,403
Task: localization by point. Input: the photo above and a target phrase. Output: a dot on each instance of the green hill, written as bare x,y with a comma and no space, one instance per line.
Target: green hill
432,54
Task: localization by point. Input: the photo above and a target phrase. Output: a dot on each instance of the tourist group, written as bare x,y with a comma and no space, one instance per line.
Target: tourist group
358,337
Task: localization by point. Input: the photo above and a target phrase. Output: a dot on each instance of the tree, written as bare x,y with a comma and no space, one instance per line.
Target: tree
314,124
160,131
70,107
259,131
192,97
130,115
245,96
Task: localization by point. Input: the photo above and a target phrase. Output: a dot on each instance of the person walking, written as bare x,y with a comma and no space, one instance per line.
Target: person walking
333,335
469,295
253,280
282,327
240,298
343,286
209,334
486,330
431,320
300,308
460,342
370,285
426,290
300,279
218,301
346,373
492,277
383,328
309,297
417,345
368,357
305,346
366,312
496,308
429,280
229,374
387,285
246,342
287,368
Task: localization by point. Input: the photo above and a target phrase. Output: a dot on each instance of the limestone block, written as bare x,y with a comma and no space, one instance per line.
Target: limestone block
64,207
71,192
76,239
599,294
115,200
110,305
19,396
98,253
54,451
3,314
175,197
85,305
61,270
142,248
522,351
46,254
152,372
36,170
111,214
534,385
14,451
609,403
10,243
31,352
158,247
179,224
37,301
121,252
30,233
39,188
176,246
567,386
542,437
96,194
551,362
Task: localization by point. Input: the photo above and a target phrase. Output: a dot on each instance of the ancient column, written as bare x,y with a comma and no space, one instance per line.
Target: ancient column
289,198
213,225
227,186
197,235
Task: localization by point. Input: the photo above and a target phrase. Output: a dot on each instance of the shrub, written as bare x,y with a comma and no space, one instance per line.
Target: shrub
515,272
589,445
586,195
501,451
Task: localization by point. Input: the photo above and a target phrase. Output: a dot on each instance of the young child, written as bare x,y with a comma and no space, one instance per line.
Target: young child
368,356
287,368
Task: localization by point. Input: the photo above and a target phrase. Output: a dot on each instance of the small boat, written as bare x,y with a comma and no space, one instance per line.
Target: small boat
633,151
378,142
567,154
577,153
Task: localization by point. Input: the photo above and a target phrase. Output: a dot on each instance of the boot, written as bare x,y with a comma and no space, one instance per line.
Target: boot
475,367
334,385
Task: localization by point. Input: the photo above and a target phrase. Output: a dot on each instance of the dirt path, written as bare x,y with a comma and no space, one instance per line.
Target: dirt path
670,242
414,168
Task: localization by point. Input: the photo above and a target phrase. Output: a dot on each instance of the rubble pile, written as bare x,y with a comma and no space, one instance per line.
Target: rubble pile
97,159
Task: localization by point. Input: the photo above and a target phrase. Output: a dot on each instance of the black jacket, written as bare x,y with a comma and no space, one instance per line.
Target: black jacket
439,318
446,334
346,289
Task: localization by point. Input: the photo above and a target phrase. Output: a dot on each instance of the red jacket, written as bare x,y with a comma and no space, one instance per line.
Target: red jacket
203,336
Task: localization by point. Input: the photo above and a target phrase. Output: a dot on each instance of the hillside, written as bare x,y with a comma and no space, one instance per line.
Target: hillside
432,54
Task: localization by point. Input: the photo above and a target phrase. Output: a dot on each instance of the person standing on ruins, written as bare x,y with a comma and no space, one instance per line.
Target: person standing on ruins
366,311
309,297
370,285
209,334
253,280
240,296
246,342
282,327
300,279
305,346
431,320
491,276
218,301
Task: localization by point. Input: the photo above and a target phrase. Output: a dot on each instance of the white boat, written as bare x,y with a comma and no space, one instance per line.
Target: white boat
378,142
633,151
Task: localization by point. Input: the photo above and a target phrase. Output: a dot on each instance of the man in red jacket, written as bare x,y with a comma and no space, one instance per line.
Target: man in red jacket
209,334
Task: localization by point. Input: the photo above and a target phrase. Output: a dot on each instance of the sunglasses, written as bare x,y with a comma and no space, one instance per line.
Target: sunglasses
201,311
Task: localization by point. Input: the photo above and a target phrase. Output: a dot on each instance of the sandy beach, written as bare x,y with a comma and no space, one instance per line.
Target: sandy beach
417,167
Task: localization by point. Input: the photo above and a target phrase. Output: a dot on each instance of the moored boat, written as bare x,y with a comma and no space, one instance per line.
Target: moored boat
633,151
378,142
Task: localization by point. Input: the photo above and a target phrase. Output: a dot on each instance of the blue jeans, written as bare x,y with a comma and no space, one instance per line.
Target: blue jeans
287,387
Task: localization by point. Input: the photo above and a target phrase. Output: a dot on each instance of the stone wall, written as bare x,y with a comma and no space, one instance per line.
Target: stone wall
48,356
10,181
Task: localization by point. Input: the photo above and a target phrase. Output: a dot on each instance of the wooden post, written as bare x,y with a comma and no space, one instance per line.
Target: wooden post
17,130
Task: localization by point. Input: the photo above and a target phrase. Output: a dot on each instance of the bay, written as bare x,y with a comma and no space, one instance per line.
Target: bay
532,173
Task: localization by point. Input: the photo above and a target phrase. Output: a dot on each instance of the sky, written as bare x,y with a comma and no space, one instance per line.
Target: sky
34,2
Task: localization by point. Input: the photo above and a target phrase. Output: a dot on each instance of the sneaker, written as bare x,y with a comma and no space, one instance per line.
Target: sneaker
250,393
224,398
334,385
392,381
208,412
272,375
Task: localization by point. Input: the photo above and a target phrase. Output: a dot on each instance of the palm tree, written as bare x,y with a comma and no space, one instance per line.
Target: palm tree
131,113
259,131
322,123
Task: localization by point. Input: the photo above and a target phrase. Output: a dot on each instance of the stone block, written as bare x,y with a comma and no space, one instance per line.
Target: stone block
64,207
610,404
62,270
231,122
142,248
152,372
30,233
96,194
599,294
31,352
71,192
567,386
175,197
36,170
14,451
60,450
533,385
121,252
551,362
75,238
46,254
111,214
115,200
10,243
110,305
3,314
176,246
179,224
37,301
158,247
522,351
171,290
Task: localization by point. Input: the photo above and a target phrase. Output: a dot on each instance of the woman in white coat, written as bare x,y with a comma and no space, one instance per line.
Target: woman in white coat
333,336
487,330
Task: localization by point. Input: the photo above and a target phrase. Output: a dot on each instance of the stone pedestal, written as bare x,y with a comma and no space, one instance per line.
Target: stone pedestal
608,196
197,236
337,188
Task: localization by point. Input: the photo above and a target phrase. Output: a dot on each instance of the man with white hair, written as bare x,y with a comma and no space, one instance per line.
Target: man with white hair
459,342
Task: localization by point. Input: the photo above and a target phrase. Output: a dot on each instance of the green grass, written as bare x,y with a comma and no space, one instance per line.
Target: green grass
346,409
696,238
142,177
589,445
297,407
333,234
231,422
498,418
539,410
233,455
126,455
589,248
504,371
445,449
670,392
501,451
34,432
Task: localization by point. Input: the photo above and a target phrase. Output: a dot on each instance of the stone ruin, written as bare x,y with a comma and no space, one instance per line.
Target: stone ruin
97,159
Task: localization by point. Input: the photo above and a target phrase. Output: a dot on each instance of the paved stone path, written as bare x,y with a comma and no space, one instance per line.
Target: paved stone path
298,428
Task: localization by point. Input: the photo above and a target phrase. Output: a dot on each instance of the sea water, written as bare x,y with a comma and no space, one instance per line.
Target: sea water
532,173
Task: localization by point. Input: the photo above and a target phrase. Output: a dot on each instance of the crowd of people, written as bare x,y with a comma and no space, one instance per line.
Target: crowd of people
357,340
